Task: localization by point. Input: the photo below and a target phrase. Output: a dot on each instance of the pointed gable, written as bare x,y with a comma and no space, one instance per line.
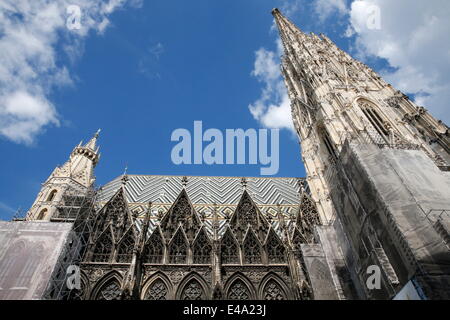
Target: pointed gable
116,212
181,213
247,214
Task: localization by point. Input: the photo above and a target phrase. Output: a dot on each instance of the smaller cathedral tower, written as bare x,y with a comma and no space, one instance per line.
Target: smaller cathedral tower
75,176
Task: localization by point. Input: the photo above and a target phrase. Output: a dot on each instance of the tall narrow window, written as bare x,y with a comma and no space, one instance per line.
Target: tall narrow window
103,248
328,144
52,195
375,119
202,248
42,214
275,249
178,248
154,249
229,251
125,249
252,249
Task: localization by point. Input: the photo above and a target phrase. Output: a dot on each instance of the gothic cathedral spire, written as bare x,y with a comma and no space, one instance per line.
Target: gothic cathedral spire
335,98
76,175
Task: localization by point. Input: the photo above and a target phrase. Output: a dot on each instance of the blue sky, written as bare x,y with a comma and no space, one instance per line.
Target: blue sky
159,66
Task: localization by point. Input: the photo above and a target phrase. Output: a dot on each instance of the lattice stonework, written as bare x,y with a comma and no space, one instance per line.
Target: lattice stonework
273,291
109,291
193,291
103,248
178,248
229,250
202,249
154,249
275,249
157,291
252,249
125,248
238,291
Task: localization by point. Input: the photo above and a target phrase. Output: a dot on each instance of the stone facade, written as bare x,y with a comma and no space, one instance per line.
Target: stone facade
377,166
376,195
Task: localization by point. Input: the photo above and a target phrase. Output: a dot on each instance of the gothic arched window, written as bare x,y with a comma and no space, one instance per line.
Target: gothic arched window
193,291
103,248
252,249
273,291
42,214
238,291
154,249
202,248
178,248
157,291
275,249
125,248
52,195
374,118
329,145
109,291
229,250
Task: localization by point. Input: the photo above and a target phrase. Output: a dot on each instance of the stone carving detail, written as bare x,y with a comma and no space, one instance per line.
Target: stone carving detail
193,291
109,291
238,291
252,249
157,291
273,291
229,251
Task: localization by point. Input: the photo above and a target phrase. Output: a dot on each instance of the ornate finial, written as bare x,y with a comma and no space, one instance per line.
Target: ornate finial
125,170
124,179
97,133
301,184
244,183
275,10
184,181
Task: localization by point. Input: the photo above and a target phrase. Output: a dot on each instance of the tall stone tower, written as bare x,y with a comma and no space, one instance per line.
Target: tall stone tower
76,177
377,165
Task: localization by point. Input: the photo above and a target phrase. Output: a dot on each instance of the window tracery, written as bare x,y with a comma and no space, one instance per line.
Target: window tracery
252,249
154,249
103,248
238,291
178,248
157,291
275,249
193,291
109,291
125,249
229,251
273,291
202,249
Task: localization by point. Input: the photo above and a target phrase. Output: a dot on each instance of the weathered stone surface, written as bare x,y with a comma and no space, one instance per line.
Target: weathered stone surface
29,252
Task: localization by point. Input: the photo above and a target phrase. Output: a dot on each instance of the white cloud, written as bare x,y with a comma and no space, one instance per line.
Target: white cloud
325,8
29,69
272,109
413,38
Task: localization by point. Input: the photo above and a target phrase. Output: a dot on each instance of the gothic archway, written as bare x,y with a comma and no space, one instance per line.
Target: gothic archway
109,288
154,248
272,287
238,287
125,247
157,287
193,287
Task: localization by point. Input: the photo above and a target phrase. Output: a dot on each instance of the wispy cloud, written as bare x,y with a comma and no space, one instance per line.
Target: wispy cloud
272,109
30,68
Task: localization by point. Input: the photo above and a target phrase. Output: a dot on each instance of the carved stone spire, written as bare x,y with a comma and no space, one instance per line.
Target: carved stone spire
76,175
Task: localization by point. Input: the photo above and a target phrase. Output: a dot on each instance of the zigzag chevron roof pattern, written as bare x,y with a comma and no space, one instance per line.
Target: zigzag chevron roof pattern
204,192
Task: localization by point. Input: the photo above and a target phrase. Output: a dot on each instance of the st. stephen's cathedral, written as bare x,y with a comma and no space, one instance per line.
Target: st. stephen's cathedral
376,199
